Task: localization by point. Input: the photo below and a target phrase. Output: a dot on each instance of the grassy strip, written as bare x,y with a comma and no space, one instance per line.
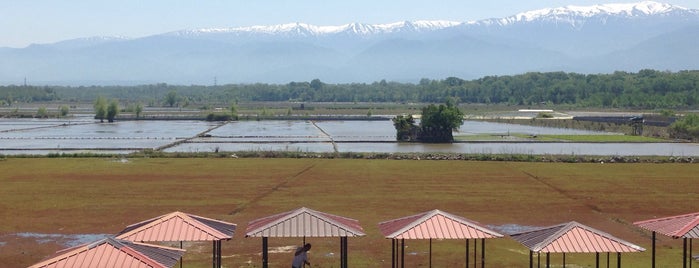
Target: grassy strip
373,156
597,138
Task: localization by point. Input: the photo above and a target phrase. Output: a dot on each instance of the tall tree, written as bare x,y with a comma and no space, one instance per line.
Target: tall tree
100,107
112,110
171,98
438,122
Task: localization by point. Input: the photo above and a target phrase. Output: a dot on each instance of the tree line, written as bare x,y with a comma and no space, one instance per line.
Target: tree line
646,89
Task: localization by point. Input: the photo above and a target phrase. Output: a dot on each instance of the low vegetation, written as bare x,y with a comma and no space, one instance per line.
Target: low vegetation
103,195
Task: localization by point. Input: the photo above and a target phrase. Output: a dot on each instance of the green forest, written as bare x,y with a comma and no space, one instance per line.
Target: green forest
646,89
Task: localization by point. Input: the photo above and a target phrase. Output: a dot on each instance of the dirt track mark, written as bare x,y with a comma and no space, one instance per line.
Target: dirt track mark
562,192
272,190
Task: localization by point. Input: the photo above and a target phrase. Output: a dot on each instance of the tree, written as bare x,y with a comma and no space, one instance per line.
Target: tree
171,98
138,110
406,130
686,127
64,110
112,110
438,122
100,107
42,112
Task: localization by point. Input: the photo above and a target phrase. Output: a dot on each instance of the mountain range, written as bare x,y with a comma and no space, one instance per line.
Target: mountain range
584,39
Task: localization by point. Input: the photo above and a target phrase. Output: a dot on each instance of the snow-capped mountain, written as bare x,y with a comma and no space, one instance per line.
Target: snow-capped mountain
573,15
598,38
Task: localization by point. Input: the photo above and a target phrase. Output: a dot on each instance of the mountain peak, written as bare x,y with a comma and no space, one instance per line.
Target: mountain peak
644,8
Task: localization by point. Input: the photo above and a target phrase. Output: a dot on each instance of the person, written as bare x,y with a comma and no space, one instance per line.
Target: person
300,257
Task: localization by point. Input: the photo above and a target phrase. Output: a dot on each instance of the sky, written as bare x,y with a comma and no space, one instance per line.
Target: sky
25,22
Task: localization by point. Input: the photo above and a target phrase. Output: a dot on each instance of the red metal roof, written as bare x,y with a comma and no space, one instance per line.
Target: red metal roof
304,222
110,252
435,224
680,226
573,237
178,226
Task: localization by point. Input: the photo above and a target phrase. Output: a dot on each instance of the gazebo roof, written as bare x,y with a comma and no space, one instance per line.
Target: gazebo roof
435,224
304,222
573,237
680,226
110,252
178,226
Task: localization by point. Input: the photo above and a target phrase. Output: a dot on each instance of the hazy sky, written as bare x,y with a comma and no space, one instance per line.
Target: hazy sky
23,22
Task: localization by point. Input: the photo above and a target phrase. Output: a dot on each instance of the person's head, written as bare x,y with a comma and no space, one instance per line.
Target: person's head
307,247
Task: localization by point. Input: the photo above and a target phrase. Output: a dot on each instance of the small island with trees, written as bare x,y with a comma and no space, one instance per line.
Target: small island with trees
436,124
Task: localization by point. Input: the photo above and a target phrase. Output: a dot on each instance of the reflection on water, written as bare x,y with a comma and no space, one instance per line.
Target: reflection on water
32,136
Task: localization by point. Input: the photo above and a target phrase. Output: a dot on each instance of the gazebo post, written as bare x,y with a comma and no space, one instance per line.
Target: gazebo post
220,255
180,257
402,252
690,253
475,253
684,252
482,252
343,252
548,259
538,260
597,259
618,260
430,253
564,260
468,253
214,250
393,253
607,259
265,256
653,251
531,262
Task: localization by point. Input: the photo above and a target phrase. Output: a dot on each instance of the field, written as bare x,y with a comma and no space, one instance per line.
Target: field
101,196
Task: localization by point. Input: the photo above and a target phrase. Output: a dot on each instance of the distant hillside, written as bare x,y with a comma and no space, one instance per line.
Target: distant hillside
592,39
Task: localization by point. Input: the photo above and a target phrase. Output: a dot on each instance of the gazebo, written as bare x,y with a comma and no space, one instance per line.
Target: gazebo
682,226
572,237
435,224
110,252
304,222
179,226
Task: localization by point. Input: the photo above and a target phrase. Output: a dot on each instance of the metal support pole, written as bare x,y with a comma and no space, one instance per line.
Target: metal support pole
597,259
531,262
180,257
475,253
618,259
607,259
653,251
214,250
430,253
548,259
393,253
564,260
538,260
684,253
402,252
482,252
343,251
467,253
265,256
690,253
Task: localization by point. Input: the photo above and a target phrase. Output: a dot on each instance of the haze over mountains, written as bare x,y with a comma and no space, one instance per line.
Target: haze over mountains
592,39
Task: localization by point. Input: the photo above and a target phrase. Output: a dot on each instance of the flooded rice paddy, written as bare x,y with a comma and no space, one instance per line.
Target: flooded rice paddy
45,136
